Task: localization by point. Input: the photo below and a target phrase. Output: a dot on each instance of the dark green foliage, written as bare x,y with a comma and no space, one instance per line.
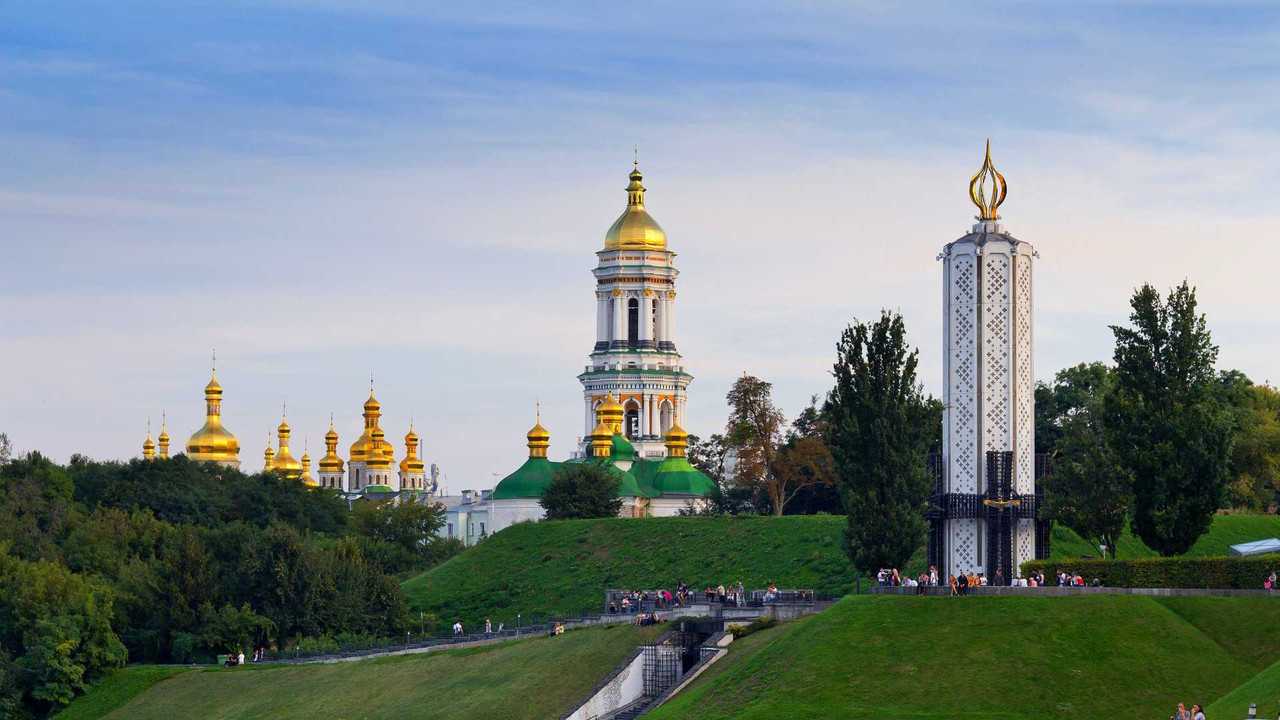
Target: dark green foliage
1241,573
1165,420
401,537
880,429
582,490
1089,491
55,634
727,497
35,506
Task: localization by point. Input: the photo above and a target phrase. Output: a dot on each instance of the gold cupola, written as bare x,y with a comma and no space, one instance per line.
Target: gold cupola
539,438
331,463
148,445
411,462
635,229
164,436
379,456
268,455
364,447
677,441
988,203
285,463
306,477
601,441
610,413
213,442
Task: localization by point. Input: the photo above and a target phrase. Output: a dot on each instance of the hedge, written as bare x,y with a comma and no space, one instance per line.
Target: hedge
1239,573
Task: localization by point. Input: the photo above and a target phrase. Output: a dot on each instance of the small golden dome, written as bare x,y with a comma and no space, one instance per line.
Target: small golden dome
213,442
635,228
677,441
610,412
411,463
331,463
268,455
148,446
539,438
372,405
601,441
306,477
285,463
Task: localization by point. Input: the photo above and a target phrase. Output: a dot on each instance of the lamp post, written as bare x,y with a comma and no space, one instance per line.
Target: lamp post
517,624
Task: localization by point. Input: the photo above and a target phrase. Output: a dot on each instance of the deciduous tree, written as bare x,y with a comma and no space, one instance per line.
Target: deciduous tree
582,490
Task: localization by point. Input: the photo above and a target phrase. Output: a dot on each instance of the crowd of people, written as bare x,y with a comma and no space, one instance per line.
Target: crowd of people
962,583
735,594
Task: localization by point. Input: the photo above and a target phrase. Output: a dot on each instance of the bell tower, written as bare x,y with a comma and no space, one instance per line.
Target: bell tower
635,356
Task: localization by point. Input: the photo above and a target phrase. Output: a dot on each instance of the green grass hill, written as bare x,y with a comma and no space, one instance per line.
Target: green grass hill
1008,658
535,678
563,567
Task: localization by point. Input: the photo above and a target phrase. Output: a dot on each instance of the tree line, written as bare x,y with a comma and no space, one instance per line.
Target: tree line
174,561
1158,441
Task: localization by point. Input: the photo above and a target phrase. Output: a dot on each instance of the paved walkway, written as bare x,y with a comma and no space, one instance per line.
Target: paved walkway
1055,591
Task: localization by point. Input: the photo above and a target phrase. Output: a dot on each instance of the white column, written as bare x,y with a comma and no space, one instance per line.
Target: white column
619,318
663,305
646,318
590,419
602,318
671,324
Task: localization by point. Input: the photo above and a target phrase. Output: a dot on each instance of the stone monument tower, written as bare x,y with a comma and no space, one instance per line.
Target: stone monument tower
984,508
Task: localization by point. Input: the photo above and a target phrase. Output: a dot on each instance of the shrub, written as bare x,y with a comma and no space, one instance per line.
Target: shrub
1241,573
761,623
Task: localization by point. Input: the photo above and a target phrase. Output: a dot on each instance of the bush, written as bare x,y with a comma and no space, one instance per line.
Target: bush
761,623
1240,573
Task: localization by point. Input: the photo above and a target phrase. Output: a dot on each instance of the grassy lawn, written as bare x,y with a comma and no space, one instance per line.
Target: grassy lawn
1263,689
538,678
117,689
1227,530
563,567
1012,658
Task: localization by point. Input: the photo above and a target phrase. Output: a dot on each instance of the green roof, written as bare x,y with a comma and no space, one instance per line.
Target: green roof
622,448
675,476
644,470
529,480
378,489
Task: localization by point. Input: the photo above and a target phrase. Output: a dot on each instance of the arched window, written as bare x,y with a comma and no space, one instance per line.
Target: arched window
667,416
633,322
631,424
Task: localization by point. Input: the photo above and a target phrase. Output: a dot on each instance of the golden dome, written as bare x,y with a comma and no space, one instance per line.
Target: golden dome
379,455
539,438
635,228
164,437
372,405
306,477
611,413
268,455
285,463
212,442
601,440
148,446
677,441
411,463
331,463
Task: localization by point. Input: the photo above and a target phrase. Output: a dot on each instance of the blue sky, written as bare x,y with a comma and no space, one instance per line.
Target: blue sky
323,190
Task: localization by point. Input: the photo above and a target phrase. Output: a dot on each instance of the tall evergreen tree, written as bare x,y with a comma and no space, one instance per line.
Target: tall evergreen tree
880,426
1166,421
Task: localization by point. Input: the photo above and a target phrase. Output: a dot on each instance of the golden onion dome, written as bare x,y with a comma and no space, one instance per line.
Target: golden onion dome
601,440
411,462
677,441
379,455
285,463
148,447
372,405
635,228
306,477
611,413
539,438
331,463
268,456
213,442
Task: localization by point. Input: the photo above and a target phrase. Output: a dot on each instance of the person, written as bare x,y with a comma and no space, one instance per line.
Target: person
933,574
1182,713
720,592
999,579
1270,582
740,594
240,657
963,584
457,629
955,589
488,627
1196,712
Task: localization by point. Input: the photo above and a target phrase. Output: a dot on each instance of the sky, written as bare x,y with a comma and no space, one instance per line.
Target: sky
323,191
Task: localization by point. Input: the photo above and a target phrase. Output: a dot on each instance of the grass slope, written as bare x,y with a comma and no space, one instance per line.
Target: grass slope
996,657
1263,689
116,690
563,567
1227,530
537,678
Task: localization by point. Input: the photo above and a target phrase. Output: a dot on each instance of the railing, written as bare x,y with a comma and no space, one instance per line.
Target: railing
648,600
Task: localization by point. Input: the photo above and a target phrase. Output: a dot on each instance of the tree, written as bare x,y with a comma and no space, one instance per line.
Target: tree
763,462
727,497
880,428
6,449
1253,479
582,490
806,451
1165,420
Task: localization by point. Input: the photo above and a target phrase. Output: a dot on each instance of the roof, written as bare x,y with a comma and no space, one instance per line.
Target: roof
675,476
529,480
622,448
1257,547
375,489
